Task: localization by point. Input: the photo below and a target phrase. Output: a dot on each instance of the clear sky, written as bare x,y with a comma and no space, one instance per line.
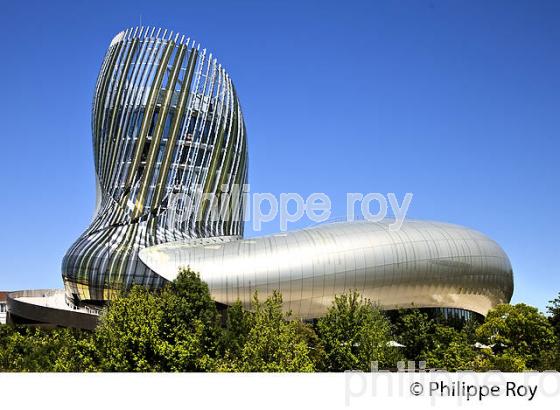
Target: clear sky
456,101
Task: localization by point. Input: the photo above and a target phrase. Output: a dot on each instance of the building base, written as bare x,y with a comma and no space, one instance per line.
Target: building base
48,308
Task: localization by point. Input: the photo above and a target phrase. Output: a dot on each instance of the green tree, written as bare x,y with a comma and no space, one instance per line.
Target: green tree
415,330
355,333
507,361
553,309
191,301
519,335
552,358
450,350
469,330
315,345
128,337
191,324
29,349
176,329
267,340
238,326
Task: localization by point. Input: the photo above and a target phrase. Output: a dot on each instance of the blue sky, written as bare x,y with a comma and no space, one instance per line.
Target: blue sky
457,102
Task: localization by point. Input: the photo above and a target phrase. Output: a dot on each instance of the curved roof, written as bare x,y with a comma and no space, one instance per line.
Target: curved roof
423,264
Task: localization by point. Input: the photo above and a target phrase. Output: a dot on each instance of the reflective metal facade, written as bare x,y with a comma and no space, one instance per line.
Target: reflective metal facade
166,122
423,265
167,125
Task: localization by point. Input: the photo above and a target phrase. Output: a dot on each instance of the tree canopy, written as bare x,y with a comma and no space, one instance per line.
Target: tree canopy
265,340
179,328
553,310
518,334
355,333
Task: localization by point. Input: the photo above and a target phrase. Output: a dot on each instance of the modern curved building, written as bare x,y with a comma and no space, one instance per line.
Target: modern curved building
168,133
423,265
170,154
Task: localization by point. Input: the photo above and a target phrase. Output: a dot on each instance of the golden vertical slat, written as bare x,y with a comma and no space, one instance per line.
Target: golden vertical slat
158,133
110,159
175,127
148,114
